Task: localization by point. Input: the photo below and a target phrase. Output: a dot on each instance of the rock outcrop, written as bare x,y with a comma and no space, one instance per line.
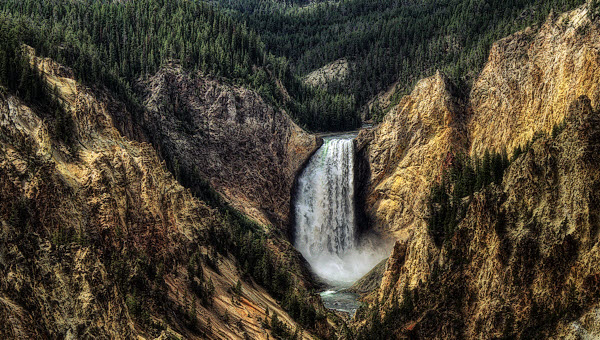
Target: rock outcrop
407,152
521,262
531,78
248,151
100,240
336,71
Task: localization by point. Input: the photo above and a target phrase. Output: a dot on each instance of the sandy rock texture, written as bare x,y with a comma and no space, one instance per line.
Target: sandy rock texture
334,71
249,152
524,259
96,239
531,78
521,263
408,151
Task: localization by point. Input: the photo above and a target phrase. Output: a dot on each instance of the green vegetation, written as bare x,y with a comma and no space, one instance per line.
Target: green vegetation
117,43
390,40
464,177
20,75
247,241
376,112
249,244
397,317
557,129
235,235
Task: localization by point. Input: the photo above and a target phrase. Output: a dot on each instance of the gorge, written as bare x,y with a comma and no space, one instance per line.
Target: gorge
193,185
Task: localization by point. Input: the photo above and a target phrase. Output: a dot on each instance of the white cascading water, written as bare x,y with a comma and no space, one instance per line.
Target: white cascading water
325,219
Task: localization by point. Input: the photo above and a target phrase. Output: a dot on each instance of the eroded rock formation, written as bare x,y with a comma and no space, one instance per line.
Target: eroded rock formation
531,78
521,262
100,240
408,151
248,151
336,71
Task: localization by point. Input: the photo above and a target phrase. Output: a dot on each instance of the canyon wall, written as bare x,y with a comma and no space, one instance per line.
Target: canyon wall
408,151
248,151
405,155
520,263
98,238
531,78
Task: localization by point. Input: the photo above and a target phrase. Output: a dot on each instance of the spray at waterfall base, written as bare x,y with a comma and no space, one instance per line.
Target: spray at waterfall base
325,228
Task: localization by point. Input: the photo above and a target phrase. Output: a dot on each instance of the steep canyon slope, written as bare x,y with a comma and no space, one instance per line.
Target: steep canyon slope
408,149
248,151
521,262
98,239
531,78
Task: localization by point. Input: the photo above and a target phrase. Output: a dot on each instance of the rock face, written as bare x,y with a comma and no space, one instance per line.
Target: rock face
248,152
408,151
531,78
371,281
401,158
521,263
336,71
97,240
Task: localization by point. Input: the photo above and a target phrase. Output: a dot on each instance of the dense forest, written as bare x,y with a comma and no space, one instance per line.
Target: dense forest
117,43
266,44
390,41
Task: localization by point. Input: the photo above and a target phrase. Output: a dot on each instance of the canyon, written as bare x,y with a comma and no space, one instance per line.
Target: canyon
104,230
207,212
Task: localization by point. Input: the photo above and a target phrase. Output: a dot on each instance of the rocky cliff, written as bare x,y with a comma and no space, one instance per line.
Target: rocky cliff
408,151
98,239
532,77
248,151
520,264
336,71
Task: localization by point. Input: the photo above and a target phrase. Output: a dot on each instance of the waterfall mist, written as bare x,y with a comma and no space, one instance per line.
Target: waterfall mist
325,231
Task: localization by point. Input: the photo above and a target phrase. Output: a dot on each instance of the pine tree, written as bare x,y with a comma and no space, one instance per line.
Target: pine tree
486,168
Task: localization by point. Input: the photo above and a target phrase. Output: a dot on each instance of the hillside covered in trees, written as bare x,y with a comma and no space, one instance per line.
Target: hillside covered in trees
390,41
37,98
270,45
118,43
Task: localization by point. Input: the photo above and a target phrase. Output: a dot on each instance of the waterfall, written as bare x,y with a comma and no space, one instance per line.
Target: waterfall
325,230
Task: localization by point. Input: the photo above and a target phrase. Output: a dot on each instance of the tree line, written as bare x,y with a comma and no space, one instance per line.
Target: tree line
390,41
462,179
115,44
235,235
21,76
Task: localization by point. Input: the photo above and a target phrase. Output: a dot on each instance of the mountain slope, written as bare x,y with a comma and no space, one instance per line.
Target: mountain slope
227,135
388,41
408,151
99,239
117,43
520,261
531,78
